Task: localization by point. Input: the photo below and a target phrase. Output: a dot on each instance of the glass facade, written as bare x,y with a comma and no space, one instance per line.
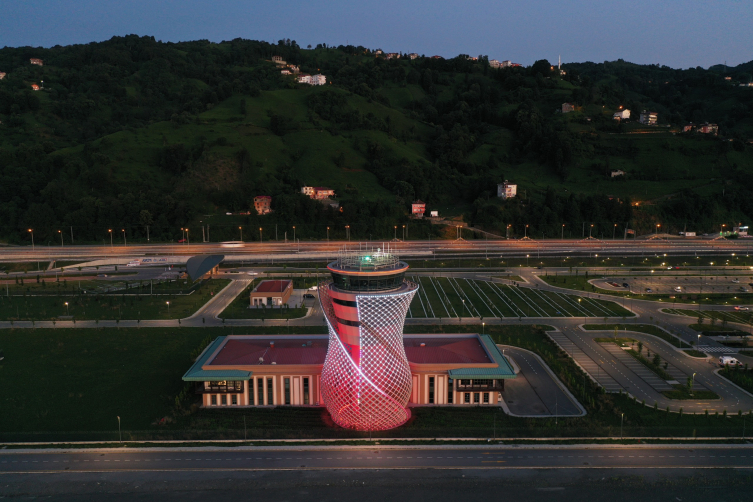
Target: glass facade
366,283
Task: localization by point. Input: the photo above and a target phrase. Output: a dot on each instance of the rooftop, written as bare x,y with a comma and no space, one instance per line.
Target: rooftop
445,350
272,286
252,350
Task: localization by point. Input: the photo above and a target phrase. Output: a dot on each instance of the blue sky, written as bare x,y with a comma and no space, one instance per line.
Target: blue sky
678,33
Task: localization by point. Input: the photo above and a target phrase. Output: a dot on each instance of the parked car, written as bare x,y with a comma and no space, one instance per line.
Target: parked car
678,288
309,295
736,281
625,285
743,289
738,307
649,290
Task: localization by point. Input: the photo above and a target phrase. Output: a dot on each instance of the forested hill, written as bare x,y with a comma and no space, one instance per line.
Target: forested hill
134,133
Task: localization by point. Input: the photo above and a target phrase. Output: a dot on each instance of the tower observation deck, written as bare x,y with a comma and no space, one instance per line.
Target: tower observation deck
366,379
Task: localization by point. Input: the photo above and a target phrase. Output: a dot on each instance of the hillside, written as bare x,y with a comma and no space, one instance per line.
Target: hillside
131,133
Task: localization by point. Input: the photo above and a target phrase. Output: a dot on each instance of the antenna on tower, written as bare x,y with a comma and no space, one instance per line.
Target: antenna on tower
559,62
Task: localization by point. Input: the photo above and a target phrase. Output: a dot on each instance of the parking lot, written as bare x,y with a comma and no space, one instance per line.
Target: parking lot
443,297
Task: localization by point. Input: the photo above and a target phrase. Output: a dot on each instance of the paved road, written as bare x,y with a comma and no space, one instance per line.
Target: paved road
536,392
374,458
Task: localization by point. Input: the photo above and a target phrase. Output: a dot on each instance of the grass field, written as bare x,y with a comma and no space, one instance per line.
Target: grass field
640,328
443,297
132,306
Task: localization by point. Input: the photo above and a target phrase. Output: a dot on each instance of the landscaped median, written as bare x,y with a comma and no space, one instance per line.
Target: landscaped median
649,329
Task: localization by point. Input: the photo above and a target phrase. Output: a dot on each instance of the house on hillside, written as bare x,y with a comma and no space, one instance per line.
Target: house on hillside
505,64
318,193
278,60
623,114
494,63
568,107
2,75
34,87
263,204
617,172
688,127
708,129
304,78
392,55
37,62
412,55
285,71
648,118
418,208
318,79
507,190
437,57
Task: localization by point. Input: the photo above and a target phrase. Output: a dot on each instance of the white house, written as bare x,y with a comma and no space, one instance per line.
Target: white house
505,64
304,78
648,118
412,55
507,190
2,75
617,172
623,114
318,79
494,63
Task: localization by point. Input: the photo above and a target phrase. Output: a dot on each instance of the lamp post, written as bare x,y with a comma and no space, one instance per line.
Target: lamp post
110,230
260,234
120,436
614,230
168,308
699,335
395,238
590,230
527,257
622,417
657,229
483,328
692,383
293,233
61,238
525,232
241,230
347,231
188,238
463,300
66,309
507,235
403,232
563,232
31,231
124,237
327,234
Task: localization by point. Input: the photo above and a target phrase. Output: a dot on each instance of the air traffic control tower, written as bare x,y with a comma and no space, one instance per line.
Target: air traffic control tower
366,379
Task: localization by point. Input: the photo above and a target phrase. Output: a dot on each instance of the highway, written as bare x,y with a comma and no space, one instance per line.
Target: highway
280,251
376,457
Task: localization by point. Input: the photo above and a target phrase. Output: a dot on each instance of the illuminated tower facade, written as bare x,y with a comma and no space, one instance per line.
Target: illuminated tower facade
366,380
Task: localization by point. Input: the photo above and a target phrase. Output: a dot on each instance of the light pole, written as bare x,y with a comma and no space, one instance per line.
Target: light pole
614,230
692,383
168,308
395,238
590,230
563,232
507,236
66,309
622,417
110,230
31,231
188,238
463,300
699,335
657,229
525,233
327,234
403,232
124,237
61,238
241,230
293,233
483,328
260,237
527,257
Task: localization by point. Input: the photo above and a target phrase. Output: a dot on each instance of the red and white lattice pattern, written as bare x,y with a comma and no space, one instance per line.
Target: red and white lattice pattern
371,393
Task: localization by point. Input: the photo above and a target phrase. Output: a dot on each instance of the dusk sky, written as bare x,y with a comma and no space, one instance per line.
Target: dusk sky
677,33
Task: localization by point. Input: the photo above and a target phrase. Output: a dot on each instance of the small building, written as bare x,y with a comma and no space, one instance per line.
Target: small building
304,78
37,62
285,370
412,55
687,127
318,193
749,84
418,208
378,52
263,204
293,68
2,75
617,172
494,63
34,87
278,60
285,71
318,79
271,293
437,57
648,118
727,78
203,266
434,214
568,107
507,190
505,64
392,55
741,230
623,114
708,129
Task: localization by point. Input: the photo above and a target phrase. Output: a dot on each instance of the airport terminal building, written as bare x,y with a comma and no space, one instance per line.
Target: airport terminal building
285,370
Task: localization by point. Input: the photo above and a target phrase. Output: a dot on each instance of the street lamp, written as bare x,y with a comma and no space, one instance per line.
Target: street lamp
168,308
463,299
563,231
403,232
622,417
699,335
527,257
692,382
66,309
395,232
188,238
347,231
657,229
293,233
124,237
110,230
120,436
260,238
327,234
614,230
31,231
525,233
61,238
241,230
590,230
483,328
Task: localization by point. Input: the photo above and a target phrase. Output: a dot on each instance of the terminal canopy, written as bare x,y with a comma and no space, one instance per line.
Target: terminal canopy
196,266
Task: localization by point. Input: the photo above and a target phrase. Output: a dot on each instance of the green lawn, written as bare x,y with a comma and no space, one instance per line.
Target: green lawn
138,304
641,328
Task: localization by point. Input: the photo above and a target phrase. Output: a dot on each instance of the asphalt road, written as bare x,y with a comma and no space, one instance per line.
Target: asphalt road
198,459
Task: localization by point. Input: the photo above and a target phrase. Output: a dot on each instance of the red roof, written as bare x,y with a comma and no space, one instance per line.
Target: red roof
272,286
245,352
263,197
319,189
446,351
